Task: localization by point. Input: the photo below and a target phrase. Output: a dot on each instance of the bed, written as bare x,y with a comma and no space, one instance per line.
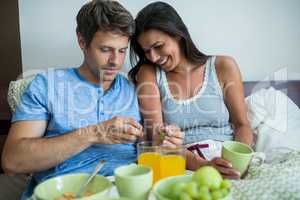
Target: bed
291,88
278,137
253,186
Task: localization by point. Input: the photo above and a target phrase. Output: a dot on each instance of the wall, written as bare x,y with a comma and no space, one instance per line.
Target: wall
263,36
10,53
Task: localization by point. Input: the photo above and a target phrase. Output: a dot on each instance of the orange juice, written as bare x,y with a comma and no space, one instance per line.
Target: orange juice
151,159
172,165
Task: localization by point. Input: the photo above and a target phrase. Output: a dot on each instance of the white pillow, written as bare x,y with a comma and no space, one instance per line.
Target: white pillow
275,119
15,91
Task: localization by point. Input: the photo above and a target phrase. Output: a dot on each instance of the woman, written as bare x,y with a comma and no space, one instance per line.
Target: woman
177,84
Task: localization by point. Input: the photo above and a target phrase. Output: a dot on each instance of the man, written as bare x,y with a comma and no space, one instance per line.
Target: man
70,119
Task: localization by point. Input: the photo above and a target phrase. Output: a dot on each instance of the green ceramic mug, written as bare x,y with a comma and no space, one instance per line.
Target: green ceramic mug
240,155
134,181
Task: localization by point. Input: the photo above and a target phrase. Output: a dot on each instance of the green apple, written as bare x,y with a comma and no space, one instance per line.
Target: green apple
185,196
178,188
192,189
216,194
208,176
225,192
204,196
162,135
204,189
225,184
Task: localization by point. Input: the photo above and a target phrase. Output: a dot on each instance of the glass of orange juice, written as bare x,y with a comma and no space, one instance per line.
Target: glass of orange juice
172,161
149,155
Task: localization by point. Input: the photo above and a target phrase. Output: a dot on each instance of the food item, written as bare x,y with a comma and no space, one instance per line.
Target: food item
206,184
184,196
70,195
162,135
208,176
192,189
66,196
178,188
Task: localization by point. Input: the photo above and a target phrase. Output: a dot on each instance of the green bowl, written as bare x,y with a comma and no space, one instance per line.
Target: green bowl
56,187
162,188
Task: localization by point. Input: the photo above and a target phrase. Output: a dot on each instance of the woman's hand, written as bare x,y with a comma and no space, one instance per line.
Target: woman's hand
171,136
225,168
194,162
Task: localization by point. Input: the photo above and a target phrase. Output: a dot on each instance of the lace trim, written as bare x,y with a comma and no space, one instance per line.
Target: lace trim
195,97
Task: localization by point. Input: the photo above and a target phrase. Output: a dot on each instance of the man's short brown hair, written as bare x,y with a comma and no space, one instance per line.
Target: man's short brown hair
104,15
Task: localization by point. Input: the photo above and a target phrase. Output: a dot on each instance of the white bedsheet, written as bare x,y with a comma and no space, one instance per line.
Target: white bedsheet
275,119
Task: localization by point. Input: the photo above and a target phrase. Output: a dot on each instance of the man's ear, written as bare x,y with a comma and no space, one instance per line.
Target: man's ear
81,41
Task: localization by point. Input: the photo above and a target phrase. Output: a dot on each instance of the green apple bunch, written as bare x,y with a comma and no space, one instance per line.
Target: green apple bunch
162,135
206,184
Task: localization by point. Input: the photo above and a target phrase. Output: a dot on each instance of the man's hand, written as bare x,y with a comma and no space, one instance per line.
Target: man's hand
171,136
115,131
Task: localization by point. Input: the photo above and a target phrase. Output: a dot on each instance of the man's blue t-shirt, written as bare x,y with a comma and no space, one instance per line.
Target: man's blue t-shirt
68,102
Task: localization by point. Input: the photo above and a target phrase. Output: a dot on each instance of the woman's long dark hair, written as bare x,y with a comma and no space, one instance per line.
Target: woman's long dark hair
163,17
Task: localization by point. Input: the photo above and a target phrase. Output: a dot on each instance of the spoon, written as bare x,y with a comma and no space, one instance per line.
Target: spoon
90,178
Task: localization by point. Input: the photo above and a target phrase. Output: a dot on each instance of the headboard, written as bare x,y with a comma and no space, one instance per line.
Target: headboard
291,88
